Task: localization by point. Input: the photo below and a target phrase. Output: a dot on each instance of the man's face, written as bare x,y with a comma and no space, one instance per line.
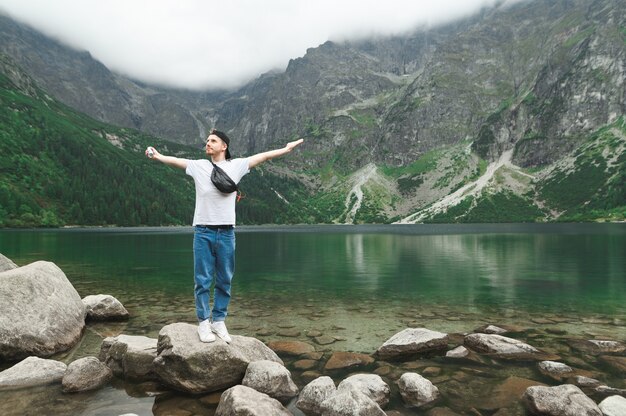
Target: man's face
214,145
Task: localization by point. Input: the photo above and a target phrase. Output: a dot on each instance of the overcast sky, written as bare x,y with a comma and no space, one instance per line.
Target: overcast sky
205,44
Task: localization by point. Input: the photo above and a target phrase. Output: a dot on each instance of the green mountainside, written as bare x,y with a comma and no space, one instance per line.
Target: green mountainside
60,167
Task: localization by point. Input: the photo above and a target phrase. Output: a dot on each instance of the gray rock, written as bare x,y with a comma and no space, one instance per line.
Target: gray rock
606,391
607,346
492,329
583,381
371,385
42,313
314,394
187,364
613,406
242,400
87,373
271,378
563,400
350,402
504,347
417,391
557,371
6,264
104,307
130,356
30,372
412,341
596,347
458,352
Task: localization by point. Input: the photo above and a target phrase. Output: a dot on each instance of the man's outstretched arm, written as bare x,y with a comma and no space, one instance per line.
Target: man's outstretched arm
265,156
176,162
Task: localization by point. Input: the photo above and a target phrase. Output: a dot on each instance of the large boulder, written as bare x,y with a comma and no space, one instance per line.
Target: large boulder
187,364
242,400
42,313
504,347
563,400
30,372
613,406
314,394
6,264
350,402
271,378
417,391
130,356
371,385
104,308
412,341
88,373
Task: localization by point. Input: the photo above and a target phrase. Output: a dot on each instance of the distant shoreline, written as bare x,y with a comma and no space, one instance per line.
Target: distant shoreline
409,229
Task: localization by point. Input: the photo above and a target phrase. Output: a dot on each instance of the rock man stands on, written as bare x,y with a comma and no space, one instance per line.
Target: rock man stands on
214,221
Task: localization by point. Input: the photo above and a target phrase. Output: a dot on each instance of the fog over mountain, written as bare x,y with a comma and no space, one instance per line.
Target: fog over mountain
207,45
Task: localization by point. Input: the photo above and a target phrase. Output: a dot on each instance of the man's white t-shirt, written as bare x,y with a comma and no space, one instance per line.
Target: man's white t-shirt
212,206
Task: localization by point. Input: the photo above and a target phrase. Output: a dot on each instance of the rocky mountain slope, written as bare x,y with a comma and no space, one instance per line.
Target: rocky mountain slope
488,119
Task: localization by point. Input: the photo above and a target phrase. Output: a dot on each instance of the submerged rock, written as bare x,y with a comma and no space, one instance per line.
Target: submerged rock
583,381
563,400
42,313
30,372
458,352
507,393
242,400
341,360
187,364
130,356
504,347
606,391
615,364
291,348
412,341
596,347
87,373
104,307
271,378
491,329
555,370
417,391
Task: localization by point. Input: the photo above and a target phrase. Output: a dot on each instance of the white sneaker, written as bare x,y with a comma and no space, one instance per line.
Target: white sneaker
219,328
204,331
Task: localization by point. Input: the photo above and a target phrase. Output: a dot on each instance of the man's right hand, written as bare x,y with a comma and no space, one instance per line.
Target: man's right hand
151,153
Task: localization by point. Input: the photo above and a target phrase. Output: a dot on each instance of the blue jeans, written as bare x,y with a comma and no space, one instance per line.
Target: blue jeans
214,256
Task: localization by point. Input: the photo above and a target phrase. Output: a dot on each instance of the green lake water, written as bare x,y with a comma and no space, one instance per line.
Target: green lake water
358,284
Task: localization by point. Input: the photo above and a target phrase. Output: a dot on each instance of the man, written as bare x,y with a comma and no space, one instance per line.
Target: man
214,221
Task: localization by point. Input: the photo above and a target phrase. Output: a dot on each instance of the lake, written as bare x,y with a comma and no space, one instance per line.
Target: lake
358,284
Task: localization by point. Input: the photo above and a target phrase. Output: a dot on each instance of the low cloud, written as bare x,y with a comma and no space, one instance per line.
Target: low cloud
202,44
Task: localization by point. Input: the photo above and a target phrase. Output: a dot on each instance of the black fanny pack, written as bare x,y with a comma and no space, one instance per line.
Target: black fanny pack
222,181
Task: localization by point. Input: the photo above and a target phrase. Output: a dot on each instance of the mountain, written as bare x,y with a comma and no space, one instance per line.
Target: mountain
514,114
78,80
60,167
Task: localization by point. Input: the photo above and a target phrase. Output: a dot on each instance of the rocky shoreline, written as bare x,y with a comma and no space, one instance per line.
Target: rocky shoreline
490,370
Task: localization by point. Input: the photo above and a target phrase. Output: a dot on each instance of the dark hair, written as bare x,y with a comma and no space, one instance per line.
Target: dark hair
224,138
